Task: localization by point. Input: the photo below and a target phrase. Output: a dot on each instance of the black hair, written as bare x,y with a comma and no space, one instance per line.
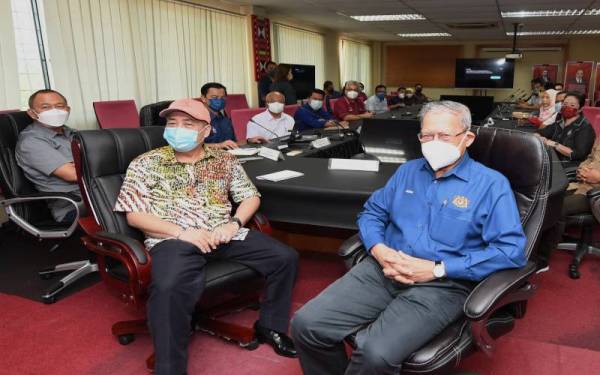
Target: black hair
579,96
212,85
537,80
318,91
327,83
270,63
560,93
401,88
44,91
379,86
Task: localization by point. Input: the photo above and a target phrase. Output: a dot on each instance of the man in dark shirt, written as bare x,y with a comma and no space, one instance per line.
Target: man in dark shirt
571,135
222,136
265,82
330,90
419,97
398,100
312,115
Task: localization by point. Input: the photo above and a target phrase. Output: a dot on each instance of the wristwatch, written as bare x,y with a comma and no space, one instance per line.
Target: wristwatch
234,219
439,270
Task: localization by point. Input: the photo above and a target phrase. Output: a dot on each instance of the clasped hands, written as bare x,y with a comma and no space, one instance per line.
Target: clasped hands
208,241
588,175
401,267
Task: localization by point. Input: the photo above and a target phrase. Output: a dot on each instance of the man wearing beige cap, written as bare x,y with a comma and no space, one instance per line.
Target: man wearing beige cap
178,195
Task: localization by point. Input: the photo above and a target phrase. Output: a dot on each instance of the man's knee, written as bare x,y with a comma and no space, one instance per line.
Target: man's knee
284,254
304,326
377,358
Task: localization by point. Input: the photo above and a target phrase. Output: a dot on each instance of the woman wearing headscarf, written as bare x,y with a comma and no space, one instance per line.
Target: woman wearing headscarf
547,113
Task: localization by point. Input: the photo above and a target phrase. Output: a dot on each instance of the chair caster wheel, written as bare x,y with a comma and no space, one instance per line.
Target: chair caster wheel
574,272
48,300
126,339
252,345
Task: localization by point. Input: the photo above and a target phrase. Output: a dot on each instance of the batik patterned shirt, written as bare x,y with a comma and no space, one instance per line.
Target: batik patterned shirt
189,195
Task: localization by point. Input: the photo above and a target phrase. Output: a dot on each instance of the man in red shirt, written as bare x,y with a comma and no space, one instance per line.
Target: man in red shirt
350,107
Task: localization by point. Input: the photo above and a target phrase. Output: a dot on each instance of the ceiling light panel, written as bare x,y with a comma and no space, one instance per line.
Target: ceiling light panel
389,17
423,35
551,13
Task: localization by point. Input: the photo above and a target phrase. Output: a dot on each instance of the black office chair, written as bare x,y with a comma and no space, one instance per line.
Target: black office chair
389,140
149,114
584,245
27,207
101,158
495,303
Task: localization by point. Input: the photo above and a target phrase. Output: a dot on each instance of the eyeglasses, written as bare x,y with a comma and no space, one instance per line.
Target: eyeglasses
444,137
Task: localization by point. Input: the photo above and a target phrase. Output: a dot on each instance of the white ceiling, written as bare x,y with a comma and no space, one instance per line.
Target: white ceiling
333,14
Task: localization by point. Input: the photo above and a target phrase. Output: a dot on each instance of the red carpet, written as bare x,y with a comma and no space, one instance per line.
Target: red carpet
560,334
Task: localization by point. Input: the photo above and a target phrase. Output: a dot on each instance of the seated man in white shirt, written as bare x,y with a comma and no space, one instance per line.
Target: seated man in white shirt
272,123
378,102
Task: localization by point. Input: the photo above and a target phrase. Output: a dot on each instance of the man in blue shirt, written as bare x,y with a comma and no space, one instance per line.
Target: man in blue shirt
312,115
214,98
439,225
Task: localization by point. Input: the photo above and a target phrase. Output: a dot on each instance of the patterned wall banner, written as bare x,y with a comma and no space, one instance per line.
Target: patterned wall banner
578,76
261,45
546,72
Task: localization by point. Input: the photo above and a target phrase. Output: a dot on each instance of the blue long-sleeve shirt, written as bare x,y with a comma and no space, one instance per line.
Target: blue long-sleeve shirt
307,118
468,218
222,129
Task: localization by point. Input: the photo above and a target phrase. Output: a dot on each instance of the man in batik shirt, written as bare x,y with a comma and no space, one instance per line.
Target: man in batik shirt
178,195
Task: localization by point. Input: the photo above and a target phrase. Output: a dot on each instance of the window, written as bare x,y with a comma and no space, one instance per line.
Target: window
355,63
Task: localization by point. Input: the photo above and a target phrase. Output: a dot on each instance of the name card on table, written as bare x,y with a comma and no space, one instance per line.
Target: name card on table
280,176
354,165
320,143
269,153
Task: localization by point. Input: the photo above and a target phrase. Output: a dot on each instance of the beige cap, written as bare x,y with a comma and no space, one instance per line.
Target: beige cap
192,107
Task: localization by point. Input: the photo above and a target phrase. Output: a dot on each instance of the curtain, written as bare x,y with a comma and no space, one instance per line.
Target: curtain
296,46
355,63
147,50
9,73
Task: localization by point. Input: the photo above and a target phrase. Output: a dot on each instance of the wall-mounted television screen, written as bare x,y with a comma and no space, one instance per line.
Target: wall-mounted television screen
480,106
484,73
304,80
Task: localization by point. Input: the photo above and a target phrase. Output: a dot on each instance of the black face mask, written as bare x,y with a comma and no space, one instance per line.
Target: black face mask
419,89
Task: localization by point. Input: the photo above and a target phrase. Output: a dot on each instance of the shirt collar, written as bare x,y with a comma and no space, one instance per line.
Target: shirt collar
66,130
171,159
461,170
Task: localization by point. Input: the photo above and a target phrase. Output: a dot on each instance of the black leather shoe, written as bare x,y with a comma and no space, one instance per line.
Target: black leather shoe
281,343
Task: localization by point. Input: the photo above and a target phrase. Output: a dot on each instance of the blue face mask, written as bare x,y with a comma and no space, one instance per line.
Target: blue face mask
557,107
217,104
381,95
181,139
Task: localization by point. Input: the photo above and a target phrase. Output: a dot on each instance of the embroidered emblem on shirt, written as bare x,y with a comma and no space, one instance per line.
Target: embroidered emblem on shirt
408,191
460,201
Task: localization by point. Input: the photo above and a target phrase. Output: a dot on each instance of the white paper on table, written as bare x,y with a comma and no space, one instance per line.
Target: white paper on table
244,151
280,176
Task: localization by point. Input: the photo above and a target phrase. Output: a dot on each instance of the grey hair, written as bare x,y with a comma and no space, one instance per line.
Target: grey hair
448,106
348,83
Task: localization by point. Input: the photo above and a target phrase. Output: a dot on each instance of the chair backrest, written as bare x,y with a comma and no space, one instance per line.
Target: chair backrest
117,114
103,157
5,111
13,182
391,141
235,101
523,159
590,113
596,125
149,114
331,104
240,118
291,109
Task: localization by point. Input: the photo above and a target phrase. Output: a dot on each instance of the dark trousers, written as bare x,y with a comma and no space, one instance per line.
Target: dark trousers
391,320
572,204
178,279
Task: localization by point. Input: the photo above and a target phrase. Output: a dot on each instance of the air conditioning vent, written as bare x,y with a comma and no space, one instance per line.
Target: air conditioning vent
472,25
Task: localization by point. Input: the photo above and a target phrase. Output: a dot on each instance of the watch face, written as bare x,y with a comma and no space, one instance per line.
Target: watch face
438,271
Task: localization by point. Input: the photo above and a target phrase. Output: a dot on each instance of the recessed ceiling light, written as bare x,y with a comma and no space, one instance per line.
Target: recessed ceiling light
421,35
557,32
551,13
389,17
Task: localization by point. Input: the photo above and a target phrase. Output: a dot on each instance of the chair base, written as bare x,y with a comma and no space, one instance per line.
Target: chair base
204,320
79,268
581,250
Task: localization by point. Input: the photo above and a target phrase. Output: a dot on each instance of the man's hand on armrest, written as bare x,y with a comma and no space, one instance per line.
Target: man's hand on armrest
66,172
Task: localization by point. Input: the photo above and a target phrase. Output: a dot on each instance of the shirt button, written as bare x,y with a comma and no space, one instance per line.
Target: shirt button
435,182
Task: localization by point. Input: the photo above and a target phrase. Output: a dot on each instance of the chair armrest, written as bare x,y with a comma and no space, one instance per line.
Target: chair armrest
137,249
351,246
496,291
260,223
42,196
571,173
594,194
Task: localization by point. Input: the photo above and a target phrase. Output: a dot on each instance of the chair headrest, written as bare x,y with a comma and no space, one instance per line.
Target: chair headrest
149,114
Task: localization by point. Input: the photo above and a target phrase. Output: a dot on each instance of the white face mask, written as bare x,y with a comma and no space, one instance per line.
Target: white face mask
275,107
409,95
440,154
53,117
315,104
401,96
352,94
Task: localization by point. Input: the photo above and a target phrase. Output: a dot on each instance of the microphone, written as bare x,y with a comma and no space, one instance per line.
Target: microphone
277,138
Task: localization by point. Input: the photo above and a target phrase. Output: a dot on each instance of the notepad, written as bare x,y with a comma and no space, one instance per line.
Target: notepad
280,176
244,151
241,234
